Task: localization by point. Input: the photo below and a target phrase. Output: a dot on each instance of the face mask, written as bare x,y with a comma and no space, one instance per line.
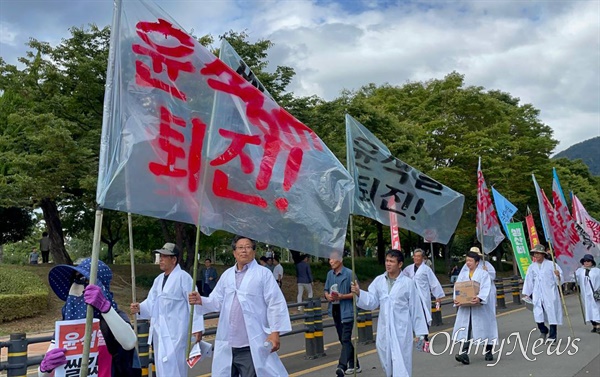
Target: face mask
74,308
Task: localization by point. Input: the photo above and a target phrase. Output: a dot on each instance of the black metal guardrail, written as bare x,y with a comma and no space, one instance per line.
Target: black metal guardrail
18,361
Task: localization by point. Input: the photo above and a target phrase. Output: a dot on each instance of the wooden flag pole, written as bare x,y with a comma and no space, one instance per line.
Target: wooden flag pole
579,297
85,358
562,297
354,327
194,276
132,262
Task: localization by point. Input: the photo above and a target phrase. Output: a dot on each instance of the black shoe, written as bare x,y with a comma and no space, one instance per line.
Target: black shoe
594,329
489,357
543,336
339,372
462,358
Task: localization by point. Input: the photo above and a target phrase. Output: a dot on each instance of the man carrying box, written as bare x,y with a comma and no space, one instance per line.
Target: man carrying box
473,321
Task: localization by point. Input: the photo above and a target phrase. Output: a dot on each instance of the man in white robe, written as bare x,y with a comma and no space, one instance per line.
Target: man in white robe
427,283
541,284
400,315
476,324
253,314
489,268
168,309
588,278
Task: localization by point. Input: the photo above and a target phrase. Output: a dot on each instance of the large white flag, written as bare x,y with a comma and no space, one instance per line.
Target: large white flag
183,131
385,185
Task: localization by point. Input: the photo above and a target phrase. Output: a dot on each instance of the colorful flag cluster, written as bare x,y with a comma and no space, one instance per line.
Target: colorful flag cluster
568,239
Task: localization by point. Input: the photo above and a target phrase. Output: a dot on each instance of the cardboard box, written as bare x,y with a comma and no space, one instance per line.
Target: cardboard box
465,291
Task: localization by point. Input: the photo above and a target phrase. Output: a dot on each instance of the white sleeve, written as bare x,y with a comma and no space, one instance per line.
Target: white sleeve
214,301
187,283
416,314
278,315
369,300
121,330
147,305
528,283
436,288
485,288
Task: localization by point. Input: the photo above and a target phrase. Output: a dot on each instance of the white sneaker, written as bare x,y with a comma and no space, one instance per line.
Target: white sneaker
351,370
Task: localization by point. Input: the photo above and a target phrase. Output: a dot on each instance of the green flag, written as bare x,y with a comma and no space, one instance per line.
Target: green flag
519,245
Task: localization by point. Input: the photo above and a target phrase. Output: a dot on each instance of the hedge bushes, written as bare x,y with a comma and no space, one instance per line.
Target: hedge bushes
22,294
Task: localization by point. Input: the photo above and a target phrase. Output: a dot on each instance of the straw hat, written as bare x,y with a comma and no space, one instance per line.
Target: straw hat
476,250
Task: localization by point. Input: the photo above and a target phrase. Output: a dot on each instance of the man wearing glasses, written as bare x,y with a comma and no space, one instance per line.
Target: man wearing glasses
253,314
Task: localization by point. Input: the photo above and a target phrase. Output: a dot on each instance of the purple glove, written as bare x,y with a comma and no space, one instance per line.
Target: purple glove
53,359
93,296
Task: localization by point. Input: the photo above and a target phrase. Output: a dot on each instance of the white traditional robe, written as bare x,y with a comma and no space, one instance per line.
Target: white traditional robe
400,316
592,307
484,326
264,310
169,313
427,285
491,307
541,284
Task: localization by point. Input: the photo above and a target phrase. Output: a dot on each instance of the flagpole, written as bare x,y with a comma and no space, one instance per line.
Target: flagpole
197,244
579,296
107,108
481,220
354,298
90,309
432,257
132,262
354,327
562,297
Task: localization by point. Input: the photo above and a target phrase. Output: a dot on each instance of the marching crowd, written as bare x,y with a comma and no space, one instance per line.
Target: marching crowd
253,313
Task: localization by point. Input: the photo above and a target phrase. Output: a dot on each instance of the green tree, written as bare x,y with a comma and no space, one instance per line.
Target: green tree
15,225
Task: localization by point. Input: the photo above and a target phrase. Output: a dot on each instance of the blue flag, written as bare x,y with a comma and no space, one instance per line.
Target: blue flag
504,208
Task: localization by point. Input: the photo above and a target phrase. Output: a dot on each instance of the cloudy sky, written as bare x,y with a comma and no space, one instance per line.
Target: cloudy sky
547,53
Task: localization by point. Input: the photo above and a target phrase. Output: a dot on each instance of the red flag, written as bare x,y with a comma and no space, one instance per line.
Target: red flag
489,232
576,241
394,231
588,223
533,235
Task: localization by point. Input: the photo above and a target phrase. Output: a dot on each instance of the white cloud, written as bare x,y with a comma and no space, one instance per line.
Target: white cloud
8,34
546,53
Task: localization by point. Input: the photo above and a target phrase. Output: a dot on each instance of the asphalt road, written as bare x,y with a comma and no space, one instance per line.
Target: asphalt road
577,355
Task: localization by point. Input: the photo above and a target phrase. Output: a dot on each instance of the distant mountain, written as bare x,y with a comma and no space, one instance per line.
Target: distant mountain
588,151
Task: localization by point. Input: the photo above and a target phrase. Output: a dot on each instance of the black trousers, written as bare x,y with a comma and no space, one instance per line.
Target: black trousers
241,363
544,330
344,331
45,256
488,347
206,290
